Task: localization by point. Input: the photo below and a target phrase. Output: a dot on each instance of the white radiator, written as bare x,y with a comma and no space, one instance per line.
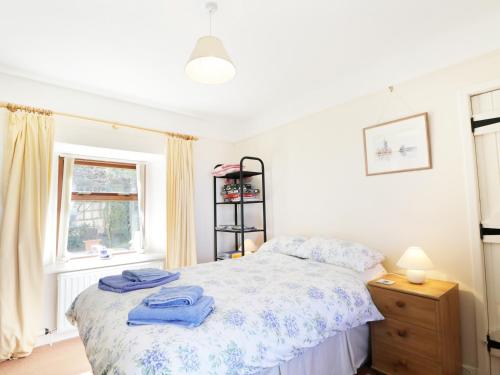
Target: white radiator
70,284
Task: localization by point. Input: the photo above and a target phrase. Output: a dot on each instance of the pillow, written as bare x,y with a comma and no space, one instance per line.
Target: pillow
341,253
373,273
285,245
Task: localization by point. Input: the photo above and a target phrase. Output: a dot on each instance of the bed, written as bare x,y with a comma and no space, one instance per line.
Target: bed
275,315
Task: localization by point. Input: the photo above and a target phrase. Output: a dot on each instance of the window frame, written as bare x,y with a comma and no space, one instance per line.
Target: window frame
85,196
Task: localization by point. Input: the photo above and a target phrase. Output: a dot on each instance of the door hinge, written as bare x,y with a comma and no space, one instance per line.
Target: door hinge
490,343
488,231
480,123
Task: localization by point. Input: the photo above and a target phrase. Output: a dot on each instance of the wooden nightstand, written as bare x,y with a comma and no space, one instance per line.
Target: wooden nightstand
421,331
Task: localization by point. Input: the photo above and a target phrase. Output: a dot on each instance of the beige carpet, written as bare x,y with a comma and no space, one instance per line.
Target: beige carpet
63,358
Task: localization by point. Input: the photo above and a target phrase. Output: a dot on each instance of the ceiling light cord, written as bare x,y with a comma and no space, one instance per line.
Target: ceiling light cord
211,6
211,13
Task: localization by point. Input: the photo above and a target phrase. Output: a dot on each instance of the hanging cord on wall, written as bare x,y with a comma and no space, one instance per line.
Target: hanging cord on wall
391,94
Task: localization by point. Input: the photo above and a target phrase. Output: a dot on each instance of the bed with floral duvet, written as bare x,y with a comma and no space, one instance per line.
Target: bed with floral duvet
269,307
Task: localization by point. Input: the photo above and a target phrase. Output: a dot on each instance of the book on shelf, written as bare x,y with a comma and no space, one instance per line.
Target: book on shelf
233,254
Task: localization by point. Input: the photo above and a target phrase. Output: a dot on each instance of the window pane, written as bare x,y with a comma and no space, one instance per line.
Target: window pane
108,223
87,178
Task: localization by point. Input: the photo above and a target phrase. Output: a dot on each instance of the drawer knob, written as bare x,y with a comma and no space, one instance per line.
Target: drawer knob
401,363
400,304
402,332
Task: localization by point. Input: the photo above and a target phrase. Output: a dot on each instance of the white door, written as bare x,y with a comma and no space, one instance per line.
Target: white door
486,128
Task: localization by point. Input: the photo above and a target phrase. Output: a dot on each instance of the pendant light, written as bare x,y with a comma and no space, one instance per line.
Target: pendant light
209,62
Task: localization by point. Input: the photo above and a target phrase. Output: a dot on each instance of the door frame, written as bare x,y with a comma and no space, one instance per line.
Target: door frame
474,218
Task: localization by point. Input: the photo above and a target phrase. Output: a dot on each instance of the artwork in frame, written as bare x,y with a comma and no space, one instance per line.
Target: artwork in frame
398,146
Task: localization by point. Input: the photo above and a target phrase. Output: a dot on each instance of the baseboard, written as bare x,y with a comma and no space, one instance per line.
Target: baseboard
52,338
469,370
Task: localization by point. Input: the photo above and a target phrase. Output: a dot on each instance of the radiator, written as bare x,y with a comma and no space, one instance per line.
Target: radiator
71,284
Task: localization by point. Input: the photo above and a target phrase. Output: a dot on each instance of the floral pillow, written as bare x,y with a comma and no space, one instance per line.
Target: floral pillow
288,245
340,253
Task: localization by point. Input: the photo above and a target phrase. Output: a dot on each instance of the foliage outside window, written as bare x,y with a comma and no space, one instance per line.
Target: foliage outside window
104,207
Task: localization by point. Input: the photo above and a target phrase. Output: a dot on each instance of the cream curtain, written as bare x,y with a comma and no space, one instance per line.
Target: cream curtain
181,242
26,179
67,182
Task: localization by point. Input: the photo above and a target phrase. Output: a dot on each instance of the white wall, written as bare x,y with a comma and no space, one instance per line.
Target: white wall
317,184
207,153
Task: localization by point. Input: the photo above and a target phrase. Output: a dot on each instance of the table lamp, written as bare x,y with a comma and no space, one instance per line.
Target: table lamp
416,263
250,246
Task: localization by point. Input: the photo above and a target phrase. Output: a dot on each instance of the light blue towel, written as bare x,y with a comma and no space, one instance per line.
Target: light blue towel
174,296
119,284
145,274
188,316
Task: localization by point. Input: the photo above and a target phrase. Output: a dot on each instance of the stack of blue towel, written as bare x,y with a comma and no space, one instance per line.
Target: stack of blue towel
137,279
183,305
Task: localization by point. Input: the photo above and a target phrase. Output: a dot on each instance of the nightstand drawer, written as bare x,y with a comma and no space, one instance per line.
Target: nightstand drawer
391,360
406,336
405,307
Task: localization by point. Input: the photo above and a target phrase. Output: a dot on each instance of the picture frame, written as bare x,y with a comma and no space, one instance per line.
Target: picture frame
400,145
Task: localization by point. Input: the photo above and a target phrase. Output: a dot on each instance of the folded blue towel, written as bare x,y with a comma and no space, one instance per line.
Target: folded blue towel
188,316
119,284
145,274
174,296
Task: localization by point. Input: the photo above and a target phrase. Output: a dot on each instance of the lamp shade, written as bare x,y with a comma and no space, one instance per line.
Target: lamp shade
209,63
414,258
250,246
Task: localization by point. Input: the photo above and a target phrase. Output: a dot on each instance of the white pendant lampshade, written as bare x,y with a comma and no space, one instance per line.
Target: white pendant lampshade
209,62
416,263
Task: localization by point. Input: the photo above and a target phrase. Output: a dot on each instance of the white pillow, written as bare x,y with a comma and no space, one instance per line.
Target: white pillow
373,273
284,244
341,253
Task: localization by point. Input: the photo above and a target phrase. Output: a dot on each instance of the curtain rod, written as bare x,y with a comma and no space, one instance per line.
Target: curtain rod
17,107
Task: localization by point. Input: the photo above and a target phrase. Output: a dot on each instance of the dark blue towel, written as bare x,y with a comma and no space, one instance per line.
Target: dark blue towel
119,284
185,295
188,316
145,274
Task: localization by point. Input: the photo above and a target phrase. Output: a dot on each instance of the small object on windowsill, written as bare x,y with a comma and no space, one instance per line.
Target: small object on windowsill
103,251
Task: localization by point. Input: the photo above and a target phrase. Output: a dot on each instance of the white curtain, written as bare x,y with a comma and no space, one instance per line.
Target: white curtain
141,202
26,178
64,213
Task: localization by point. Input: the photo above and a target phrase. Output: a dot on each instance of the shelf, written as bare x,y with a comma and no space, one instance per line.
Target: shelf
239,231
244,202
236,175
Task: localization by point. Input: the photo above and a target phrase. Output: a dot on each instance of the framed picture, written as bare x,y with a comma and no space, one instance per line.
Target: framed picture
398,146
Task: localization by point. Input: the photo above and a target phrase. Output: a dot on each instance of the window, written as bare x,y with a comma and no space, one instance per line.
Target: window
104,207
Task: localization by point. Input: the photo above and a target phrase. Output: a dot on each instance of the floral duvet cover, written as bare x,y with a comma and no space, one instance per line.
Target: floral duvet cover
268,308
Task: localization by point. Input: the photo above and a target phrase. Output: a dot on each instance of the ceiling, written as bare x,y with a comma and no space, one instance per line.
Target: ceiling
292,57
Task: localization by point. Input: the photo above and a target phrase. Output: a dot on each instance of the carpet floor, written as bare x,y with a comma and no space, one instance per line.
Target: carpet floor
66,358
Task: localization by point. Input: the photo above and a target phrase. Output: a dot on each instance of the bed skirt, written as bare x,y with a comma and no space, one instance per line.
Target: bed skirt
341,354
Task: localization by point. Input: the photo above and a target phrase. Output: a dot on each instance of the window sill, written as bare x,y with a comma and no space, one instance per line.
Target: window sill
94,262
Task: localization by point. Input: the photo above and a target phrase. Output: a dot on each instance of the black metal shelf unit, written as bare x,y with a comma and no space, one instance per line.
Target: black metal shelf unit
237,178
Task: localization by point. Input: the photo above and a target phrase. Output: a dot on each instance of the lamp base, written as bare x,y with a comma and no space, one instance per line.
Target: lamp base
416,276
